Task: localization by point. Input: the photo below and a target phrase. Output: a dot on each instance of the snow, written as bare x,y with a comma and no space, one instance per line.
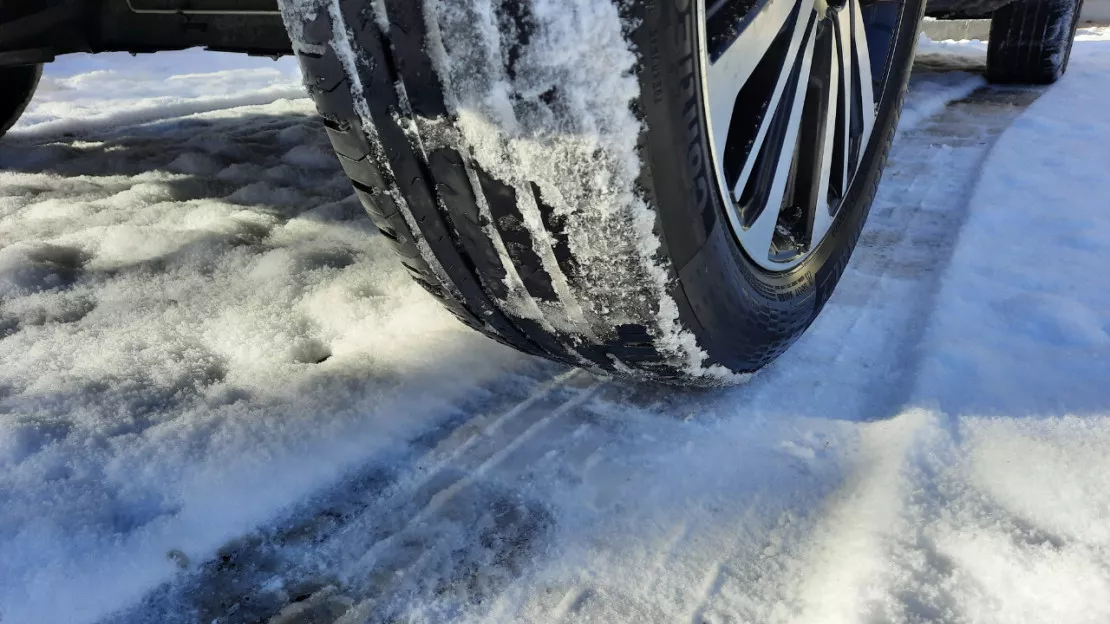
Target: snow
166,290
1039,301
1023,389
938,88
203,344
83,92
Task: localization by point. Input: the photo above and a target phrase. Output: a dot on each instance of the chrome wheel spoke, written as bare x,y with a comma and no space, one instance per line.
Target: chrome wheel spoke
821,209
760,211
842,147
750,123
862,76
746,80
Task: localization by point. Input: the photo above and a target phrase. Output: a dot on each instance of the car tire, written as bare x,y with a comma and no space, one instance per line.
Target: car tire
1031,40
547,170
17,87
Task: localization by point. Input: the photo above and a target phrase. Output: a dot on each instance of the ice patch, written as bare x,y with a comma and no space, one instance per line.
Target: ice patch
937,89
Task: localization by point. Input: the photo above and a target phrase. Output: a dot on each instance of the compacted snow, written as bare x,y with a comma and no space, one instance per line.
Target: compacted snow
167,294
221,400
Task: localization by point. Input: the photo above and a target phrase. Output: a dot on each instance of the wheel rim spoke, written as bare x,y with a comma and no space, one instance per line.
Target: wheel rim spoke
791,109
750,120
761,215
735,64
821,210
842,157
862,76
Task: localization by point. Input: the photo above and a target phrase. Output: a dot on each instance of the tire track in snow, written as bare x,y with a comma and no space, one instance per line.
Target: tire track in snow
371,532
538,421
848,557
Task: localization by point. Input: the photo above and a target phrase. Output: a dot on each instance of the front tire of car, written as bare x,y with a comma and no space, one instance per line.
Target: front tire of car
668,190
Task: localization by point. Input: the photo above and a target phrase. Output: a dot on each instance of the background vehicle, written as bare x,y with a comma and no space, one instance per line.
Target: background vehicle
669,190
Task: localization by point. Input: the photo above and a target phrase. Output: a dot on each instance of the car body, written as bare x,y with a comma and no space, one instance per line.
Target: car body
36,31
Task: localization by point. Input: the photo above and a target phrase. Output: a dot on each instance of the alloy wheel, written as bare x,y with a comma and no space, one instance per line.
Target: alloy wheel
790,90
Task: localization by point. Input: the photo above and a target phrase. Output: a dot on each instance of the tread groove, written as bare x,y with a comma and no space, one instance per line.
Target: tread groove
518,240
439,178
457,201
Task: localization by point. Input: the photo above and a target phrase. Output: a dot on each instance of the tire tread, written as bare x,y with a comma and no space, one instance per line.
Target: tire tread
1030,41
403,182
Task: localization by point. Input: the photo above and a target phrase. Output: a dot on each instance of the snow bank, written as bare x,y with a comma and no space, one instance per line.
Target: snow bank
1029,257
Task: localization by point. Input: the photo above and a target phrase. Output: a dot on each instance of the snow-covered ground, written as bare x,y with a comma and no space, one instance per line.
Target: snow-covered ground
220,398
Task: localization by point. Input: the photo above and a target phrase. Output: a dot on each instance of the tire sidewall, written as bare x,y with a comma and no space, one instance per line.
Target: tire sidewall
741,314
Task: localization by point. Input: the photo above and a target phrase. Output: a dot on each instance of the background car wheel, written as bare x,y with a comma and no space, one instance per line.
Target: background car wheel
1030,41
17,86
669,190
